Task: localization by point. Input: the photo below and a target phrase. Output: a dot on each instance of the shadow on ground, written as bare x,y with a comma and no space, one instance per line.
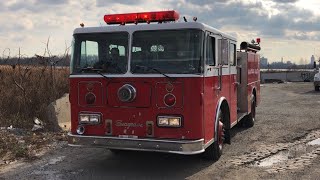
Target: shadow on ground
311,92
144,165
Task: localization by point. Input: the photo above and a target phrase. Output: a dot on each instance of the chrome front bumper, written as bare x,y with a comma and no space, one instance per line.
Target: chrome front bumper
187,147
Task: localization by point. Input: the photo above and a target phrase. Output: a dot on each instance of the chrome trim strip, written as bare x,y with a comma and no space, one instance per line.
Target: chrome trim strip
148,150
216,118
240,118
134,75
208,143
233,124
187,147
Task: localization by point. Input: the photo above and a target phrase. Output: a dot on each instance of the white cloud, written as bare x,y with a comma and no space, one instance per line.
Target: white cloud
313,5
28,23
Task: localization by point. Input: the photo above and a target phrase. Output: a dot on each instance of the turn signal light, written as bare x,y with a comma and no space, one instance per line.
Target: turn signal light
158,16
169,100
90,98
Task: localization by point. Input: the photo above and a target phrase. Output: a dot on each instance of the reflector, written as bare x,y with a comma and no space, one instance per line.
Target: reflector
157,16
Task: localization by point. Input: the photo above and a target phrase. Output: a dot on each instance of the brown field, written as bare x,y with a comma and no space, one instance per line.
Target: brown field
26,91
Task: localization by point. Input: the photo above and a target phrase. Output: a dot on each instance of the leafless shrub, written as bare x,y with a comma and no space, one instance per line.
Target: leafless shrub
27,90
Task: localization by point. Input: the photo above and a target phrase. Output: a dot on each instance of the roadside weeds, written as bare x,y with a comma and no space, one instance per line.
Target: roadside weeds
18,144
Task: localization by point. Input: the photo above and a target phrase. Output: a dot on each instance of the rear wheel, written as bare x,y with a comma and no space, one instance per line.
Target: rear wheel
214,151
316,88
249,121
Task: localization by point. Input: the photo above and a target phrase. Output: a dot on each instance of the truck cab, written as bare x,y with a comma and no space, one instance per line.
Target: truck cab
159,85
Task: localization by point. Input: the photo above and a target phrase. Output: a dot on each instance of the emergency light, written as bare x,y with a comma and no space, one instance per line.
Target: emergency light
258,40
157,16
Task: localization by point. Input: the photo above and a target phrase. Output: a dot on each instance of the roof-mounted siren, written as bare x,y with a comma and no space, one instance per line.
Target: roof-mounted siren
143,17
254,46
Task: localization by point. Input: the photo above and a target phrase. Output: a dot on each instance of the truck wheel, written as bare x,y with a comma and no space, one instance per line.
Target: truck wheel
316,88
249,121
214,151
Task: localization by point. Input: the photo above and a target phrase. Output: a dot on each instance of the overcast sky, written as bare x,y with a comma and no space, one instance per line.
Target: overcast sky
287,28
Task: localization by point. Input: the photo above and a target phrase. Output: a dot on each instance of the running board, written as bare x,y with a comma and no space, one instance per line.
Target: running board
241,115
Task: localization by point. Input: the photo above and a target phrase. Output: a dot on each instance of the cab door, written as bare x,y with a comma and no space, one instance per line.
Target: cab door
227,50
233,82
211,84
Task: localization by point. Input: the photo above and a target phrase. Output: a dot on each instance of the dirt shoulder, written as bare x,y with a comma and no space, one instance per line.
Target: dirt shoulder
281,145
25,145
277,146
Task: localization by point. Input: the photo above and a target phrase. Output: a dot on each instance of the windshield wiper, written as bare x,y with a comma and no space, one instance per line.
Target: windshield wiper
91,69
156,70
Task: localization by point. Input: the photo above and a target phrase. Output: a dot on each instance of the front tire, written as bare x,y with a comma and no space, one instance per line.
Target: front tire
214,151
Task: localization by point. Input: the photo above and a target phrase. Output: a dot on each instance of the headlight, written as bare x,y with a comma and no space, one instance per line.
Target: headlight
169,121
84,118
89,118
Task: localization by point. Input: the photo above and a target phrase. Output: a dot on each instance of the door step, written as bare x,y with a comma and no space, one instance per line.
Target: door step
240,115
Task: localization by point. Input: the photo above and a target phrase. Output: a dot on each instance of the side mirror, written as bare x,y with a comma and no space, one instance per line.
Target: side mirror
223,51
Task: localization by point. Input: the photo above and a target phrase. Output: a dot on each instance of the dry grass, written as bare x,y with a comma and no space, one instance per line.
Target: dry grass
17,144
26,91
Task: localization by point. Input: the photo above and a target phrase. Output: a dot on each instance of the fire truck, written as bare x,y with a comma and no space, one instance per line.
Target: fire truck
148,82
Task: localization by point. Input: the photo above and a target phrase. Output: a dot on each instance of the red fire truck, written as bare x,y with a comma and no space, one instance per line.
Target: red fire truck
147,82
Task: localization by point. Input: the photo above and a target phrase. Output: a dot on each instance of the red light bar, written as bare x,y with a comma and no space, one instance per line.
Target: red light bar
258,40
158,16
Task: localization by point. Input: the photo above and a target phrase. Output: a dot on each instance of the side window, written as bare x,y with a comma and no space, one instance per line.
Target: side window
210,51
89,53
232,54
224,51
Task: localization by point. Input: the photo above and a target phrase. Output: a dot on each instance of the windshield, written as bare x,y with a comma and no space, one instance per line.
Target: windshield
168,51
103,52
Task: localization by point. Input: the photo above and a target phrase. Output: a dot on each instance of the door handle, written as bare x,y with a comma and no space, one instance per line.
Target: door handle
219,77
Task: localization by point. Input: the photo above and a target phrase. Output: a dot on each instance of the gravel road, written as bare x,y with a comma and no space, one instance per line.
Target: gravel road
283,144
